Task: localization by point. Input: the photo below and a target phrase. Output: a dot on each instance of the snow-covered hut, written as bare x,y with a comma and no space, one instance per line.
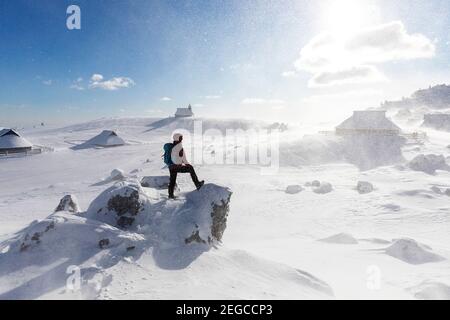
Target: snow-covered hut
107,138
368,122
12,142
184,112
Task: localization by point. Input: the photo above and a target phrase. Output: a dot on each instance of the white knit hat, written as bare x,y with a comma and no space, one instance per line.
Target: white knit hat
177,136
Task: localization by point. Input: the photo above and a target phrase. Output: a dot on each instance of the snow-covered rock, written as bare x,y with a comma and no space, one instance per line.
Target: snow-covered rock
156,182
120,205
64,234
315,183
293,189
429,163
325,187
68,203
364,187
410,251
447,192
199,217
340,238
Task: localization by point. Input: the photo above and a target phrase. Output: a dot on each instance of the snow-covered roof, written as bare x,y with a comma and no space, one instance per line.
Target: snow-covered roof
368,120
107,138
10,139
184,112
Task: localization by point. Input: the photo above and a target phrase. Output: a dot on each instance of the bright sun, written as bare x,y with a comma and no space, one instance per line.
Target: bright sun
342,17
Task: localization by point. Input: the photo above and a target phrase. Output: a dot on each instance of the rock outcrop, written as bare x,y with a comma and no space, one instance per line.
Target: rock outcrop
364,187
324,187
68,203
119,205
293,189
200,216
429,163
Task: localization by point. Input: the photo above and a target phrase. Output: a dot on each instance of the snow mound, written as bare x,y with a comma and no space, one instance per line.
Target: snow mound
68,203
429,163
340,238
364,187
412,252
199,217
117,174
324,187
432,290
293,189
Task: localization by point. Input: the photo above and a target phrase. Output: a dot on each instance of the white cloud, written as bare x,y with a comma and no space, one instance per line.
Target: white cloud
335,58
47,82
96,77
76,86
213,97
259,101
111,84
198,105
355,74
165,99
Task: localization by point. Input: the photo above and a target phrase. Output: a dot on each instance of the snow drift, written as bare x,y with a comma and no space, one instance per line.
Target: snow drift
164,245
412,252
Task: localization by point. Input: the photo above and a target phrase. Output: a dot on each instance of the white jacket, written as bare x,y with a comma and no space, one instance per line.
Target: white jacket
175,154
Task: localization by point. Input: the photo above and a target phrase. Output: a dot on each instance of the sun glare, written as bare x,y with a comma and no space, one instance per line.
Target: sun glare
342,17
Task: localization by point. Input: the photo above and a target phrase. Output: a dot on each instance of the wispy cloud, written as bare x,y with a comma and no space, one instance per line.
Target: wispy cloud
77,84
335,59
47,82
166,99
97,81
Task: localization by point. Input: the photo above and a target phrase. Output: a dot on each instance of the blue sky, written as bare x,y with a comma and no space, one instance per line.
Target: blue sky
226,58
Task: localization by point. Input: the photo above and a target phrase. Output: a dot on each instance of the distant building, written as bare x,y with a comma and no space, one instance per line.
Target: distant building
368,122
12,142
184,112
107,138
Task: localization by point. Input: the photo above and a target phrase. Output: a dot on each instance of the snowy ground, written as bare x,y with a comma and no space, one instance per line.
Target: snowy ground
270,233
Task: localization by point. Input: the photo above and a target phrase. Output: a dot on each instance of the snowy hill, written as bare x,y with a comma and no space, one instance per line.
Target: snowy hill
270,234
152,251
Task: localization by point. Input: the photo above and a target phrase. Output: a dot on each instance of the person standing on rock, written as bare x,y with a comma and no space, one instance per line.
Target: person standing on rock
175,159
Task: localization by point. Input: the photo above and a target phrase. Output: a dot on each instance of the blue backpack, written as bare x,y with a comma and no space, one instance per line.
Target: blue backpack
168,153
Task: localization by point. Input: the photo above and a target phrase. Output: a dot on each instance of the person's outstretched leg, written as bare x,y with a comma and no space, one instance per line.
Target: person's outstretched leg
189,168
173,180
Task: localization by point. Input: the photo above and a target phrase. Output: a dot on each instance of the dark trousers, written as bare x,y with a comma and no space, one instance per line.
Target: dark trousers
174,169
